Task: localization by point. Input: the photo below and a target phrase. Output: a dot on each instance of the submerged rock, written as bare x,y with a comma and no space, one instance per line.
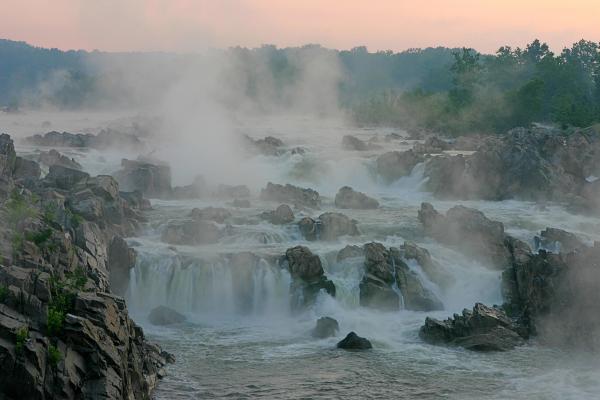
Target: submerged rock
163,315
394,165
354,342
326,327
347,197
482,329
291,194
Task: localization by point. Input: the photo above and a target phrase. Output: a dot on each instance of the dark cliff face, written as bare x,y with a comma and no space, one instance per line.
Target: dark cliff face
64,334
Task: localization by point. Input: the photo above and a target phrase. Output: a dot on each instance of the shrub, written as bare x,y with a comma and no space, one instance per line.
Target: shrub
54,356
56,318
22,336
39,238
18,209
3,293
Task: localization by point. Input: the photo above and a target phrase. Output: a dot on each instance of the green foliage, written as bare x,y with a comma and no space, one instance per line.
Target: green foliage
22,335
3,293
63,295
49,215
54,356
17,241
39,238
18,208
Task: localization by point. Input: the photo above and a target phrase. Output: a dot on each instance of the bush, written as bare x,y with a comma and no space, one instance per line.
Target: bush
56,318
54,356
18,209
39,238
22,336
3,293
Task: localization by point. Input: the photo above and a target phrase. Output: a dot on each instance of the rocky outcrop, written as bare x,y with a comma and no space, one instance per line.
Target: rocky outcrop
394,165
470,231
107,138
64,178
354,342
149,178
537,163
163,315
192,232
387,276
558,241
350,251
328,226
63,334
291,194
346,197
482,329
196,190
281,215
26,170
121,259
308,276
326,327
431,145
53,157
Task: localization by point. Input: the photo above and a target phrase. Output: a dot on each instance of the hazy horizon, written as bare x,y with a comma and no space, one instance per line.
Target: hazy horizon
189,26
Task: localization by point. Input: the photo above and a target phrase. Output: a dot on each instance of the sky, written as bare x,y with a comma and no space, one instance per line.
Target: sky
192,25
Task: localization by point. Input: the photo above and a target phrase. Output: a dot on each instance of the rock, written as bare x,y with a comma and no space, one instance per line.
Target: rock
121,258
282,215
410,251
354,342
308,228
431,145
216,214
346,197
308,277
150,179
196,190
326,327
333,225
232,192
64,178
353,143
191,233
241,203
53,157
291,194
470,231
482,329
26,169
376,289
415,296
349,251
268,146
163,315
394,165
558,240
58,139
106,138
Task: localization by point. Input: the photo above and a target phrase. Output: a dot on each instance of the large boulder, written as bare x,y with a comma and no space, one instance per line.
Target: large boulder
53,157
26,169
350,251
268,146
329,226
354,342
470,231
121,258
281,215
482,329
394,165
308,276
347,197
415,295
64,178
150,178
163,315
558,241
291,194
326,327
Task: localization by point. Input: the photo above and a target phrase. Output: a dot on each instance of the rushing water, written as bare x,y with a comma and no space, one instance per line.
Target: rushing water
241,339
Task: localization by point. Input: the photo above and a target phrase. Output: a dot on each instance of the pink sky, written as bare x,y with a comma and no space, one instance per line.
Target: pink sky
190,25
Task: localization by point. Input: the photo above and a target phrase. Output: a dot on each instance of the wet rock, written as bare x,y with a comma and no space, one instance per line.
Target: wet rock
106,138
308,277
394,165
354,342
216,214
26,169
268,146
163,315
350,251
376,289
482,329
241,203
353,143
326,327
64,178
434,271
291,194
196,190
470,231
150,179
431,145
415,296
346,197
191,233
53,157
121,258
559,241
333,225
308,228
281,215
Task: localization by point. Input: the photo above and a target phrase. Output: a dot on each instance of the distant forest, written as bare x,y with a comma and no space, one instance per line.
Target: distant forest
453,91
